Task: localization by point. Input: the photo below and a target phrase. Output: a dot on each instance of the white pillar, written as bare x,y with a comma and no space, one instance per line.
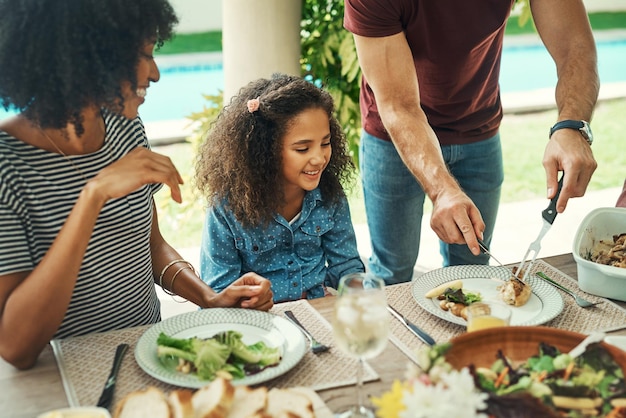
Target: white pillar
259,37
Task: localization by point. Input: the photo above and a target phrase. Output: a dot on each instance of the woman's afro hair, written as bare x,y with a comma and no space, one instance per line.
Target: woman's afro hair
59,56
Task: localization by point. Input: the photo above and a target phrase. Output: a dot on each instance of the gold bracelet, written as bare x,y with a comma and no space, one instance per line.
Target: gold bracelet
171,291
170,264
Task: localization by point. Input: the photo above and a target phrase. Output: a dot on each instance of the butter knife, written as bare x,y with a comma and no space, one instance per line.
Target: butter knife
109,387
420,333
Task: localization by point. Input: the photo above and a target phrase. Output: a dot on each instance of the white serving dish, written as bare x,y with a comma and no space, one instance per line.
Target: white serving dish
77,412
599,279
618,341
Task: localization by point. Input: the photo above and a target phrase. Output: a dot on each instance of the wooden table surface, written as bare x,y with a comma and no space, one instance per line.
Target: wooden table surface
28,393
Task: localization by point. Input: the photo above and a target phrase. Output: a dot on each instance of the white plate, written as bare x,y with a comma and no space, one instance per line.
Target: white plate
618,341
544,304
253,325
77,412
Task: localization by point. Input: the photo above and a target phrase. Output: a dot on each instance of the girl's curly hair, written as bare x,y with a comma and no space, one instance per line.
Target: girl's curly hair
240,159
58,57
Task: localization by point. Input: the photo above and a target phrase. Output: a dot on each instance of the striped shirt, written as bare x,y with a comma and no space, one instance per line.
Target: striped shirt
38,189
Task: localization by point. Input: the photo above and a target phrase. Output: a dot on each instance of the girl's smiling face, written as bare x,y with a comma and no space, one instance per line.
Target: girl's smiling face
147,72
306,150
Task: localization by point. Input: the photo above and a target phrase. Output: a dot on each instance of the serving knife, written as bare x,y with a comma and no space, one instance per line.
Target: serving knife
420,333
548,215
109,387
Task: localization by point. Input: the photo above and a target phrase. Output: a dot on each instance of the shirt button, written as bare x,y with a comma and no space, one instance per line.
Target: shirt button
318,228
295,284
255,248
290,262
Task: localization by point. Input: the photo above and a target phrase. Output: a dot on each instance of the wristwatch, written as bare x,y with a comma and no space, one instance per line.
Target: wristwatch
581,125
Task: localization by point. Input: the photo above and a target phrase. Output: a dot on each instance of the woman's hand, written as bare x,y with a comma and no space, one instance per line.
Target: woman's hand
249,291
137,168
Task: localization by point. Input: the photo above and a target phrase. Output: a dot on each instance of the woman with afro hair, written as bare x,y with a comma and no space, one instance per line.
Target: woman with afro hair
272,166
80,249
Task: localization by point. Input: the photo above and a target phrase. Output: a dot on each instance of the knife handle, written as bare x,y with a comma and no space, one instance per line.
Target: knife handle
550,212
117,361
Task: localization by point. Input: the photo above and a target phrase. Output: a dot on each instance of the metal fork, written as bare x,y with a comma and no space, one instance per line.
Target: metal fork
316,346
548,215
583,303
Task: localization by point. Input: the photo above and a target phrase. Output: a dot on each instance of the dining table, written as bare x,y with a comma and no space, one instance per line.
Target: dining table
72,372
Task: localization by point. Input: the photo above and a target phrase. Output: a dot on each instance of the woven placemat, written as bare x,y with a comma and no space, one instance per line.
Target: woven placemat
573,318
85,362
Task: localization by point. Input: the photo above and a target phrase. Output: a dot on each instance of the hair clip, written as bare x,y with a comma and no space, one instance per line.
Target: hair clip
253,105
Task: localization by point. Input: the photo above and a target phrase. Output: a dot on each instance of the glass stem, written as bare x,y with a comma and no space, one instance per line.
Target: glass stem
359,385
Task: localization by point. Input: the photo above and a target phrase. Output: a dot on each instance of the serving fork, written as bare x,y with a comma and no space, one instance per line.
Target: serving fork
316,346
582,302
548,215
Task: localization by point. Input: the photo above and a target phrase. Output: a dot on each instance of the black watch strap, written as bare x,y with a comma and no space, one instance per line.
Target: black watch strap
579,125
571,124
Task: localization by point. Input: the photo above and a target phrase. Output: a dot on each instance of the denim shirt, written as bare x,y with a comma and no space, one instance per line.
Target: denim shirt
299,258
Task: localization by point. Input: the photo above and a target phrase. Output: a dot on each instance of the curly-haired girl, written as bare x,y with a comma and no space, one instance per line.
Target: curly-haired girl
80,248
272,166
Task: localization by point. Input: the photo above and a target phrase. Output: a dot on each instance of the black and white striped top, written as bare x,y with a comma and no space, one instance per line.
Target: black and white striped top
38,189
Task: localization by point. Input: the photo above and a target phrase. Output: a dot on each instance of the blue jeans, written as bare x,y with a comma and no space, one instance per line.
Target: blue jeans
394,202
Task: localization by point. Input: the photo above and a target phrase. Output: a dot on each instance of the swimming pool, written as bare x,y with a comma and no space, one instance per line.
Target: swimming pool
530,67
524,68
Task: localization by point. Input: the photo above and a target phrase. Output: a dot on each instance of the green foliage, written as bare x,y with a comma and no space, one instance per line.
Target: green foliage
525,15
205,117
329,59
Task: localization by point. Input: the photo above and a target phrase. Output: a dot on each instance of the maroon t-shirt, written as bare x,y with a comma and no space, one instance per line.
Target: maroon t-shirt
456,48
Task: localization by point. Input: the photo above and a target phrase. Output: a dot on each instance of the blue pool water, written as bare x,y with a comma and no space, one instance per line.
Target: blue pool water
181,88
527,67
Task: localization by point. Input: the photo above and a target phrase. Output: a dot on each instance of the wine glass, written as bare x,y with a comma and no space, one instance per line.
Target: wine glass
360,327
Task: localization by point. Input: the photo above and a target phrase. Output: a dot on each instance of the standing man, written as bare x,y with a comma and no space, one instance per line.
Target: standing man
430,107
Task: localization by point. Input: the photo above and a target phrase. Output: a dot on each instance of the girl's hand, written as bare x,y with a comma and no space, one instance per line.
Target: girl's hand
136,169
249,291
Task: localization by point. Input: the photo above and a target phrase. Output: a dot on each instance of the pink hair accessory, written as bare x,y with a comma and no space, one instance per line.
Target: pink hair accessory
253,105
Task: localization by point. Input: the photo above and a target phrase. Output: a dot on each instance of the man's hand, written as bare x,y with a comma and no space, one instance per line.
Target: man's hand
456,220
568,151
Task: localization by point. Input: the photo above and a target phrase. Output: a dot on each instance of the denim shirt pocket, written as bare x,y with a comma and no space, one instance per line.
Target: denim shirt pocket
310,240
253,247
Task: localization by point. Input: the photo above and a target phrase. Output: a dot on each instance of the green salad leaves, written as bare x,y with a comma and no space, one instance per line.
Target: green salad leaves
224,354
549,384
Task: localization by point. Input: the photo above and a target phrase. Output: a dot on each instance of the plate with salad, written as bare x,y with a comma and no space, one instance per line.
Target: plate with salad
482,282
190,349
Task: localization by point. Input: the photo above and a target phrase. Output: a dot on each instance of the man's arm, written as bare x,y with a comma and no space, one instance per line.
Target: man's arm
387,64
564,29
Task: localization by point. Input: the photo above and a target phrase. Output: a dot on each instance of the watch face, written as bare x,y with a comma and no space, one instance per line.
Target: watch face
586,131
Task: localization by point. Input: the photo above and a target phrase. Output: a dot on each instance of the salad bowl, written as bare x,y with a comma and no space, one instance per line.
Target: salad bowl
548,385
517,343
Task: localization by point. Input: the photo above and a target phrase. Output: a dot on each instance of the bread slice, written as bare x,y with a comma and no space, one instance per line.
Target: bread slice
213,400
148,403
285,403
248,402
180,403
